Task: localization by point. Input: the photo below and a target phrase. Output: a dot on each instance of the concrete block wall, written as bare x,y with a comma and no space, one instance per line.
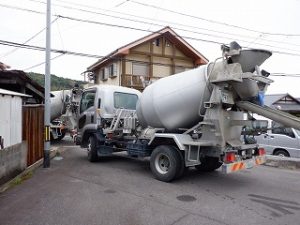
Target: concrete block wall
13,160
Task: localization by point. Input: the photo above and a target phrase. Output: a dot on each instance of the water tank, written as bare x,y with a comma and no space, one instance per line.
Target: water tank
175,101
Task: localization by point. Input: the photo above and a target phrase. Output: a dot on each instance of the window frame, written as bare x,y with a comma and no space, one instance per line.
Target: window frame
82,99
131,94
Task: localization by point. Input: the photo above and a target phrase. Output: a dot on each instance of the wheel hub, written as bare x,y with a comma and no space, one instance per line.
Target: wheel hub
162,163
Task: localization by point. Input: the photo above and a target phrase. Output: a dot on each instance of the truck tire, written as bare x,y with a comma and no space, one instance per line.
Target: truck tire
63,134
92,149
182,168
166,163
209,164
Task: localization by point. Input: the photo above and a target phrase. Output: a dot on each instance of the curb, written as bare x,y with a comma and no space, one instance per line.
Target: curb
37,164
282,162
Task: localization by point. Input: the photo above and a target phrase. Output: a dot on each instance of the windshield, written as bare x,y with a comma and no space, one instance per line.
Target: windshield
125,100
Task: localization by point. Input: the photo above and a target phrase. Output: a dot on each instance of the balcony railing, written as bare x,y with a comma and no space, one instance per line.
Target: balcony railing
136,81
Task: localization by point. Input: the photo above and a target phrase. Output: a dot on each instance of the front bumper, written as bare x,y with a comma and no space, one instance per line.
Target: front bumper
244,164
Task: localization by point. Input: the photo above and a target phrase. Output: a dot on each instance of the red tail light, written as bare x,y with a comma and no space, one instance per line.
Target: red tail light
261,151
109,135
230,157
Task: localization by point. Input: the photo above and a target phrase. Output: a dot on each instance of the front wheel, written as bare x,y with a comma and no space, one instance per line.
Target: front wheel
92,149
166,163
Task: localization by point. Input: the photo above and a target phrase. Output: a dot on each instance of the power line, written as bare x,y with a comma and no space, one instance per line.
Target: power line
121,3
62,52
22,9
144,30
28,40
168,22
209,20
38,48
285,75
140,29
186,37
42,63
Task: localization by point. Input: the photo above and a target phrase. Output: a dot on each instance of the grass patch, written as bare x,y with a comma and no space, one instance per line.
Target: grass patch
20,179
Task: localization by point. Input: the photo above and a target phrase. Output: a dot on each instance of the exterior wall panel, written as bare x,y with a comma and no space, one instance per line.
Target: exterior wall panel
143,47
11,119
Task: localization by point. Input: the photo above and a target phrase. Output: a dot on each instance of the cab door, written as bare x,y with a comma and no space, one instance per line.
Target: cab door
86,110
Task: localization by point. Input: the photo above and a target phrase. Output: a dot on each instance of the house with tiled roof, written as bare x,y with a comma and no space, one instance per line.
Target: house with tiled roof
145,60
283,102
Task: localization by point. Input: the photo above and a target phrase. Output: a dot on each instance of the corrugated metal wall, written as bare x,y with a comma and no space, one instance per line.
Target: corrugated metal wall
11,119
33,131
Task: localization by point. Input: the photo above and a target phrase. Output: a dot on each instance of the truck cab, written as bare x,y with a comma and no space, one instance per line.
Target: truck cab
98,106
281,141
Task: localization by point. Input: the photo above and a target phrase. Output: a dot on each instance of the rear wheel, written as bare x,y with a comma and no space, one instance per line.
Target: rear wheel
62,135
282,153
166,163
92,149
209,164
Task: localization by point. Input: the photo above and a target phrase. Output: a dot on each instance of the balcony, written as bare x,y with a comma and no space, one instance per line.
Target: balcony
136,81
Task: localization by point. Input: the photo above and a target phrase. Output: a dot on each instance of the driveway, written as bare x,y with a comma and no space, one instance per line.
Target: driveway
119,190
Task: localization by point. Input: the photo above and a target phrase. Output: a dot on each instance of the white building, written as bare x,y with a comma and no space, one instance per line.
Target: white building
10,117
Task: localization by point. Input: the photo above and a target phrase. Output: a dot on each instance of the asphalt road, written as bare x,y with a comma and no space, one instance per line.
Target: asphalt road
122,191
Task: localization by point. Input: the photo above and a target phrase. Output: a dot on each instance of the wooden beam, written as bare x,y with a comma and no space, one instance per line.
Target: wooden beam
151,60
163,45
173,56
7,81
123,71
160,55
29,86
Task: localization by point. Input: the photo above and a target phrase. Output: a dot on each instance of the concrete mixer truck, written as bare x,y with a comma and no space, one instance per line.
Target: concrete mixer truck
64,106
191,119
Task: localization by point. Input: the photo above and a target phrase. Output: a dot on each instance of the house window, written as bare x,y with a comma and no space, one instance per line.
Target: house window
156,42
103,74
112,70
140,69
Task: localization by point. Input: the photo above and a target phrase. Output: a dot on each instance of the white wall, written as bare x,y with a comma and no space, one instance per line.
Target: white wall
11,119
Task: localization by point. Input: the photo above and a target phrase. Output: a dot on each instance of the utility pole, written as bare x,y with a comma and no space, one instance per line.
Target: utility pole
46,162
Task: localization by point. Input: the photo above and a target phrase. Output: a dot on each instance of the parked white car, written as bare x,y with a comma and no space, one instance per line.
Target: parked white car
281,141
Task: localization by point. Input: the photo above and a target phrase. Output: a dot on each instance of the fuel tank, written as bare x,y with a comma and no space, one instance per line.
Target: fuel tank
176,101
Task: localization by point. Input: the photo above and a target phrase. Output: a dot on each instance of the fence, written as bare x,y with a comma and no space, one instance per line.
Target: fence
33,131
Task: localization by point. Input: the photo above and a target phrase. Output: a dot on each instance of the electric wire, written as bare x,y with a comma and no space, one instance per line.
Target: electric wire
62,52
166,22
42,63
145,30
158,32
28,40
209,20
97,56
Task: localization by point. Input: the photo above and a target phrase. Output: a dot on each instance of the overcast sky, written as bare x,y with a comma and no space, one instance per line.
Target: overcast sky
264,24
